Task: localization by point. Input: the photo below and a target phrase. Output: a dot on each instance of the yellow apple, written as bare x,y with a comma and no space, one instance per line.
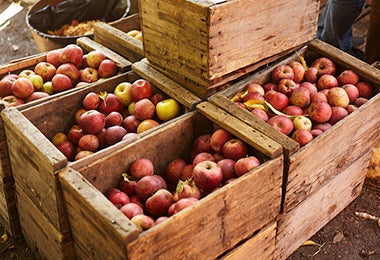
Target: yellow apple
146,125
130,108
122,91
37,81
59,138
47,87
167,109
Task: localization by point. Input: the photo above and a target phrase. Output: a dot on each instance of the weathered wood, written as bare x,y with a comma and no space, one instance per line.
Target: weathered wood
207,40
205,230
303,221
114,36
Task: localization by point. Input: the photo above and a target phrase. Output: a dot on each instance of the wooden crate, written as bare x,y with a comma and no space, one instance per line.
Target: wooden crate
308,168
218,223
307,218
9,217
114,36
35,160
204,44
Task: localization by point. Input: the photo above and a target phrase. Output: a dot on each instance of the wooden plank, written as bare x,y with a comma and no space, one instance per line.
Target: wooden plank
303,221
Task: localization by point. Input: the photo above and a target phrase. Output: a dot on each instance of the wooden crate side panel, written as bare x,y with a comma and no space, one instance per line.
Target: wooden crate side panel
40,234
5,166
99,229
299,224
219,221
261,246
348,140
245,32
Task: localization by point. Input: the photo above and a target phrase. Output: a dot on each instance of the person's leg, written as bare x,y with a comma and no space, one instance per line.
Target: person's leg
372,48
338,19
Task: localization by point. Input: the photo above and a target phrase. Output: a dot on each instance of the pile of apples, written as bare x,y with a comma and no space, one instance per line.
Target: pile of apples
63,69
137,34
302,102
106,118
148,197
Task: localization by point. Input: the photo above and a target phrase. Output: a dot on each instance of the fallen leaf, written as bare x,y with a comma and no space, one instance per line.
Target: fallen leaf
338,237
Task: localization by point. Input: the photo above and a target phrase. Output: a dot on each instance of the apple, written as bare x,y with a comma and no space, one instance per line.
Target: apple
327,81
59,138
207,175
102,138
157,97
365,89
300,97
302,136
130,123
337,114
260,114
351,108
148,185
88,75
110,102
282,72
338,97
287,86
316,132
218,156
140,89
311,74
107,68
181,205
48,87
26,73
254,87
78,113
36,95
75,133
324,65
6,84
218,138
146,125
72,53
144,109
37,82
167,109
122,90
143,222
246,164
114,119
117,197
46,70
12,101
22,88
347,77
71,71
89,142
61,82
309,86
318,96
114,134
159,203
269,86
131,209
92,121
298,71
235,149
174,169
277,99
352,92
323,126
227,166
141,167
253,95
187,172
186,189
360,101
293,110
203,156
91,101
302,122
94,58
319,112
82,154
281,123
202,144
53,57
128,185
68,150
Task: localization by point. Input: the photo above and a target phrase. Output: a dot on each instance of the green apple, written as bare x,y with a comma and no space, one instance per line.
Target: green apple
167,109
48,87
37,81
122,90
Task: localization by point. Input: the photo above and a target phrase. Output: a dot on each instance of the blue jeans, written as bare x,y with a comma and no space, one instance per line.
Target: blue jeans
335,23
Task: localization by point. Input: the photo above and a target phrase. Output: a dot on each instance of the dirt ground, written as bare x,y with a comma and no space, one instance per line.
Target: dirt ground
347,236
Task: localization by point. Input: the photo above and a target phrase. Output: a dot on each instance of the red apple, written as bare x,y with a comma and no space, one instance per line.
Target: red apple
298,71
253,95
207,175
114,134
148,185
218,138
287,86
302,136
89,142
360,101
75,133
88,75
311,74
316,132
319,112
235,149
71,71
128,185
338,97
324,65
203,156
157,97
347,77
72,53
117,197
61,82
114,119
186,189
174,170
140,89
352,92
202,144
131,209
318,96
141,167
282,72
327,81
227,166
53,57
94,58
144,109
92,121
277,99
22,88
323,126
365,89
82,154
246,164
6,84
281,123
309,86
260,114
91,101
130,123
143,222
107,68
337,114
293,110
181,205
269,86
46,70
187,172
254,87
351,108
300,97
110,102
68,150
159,203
